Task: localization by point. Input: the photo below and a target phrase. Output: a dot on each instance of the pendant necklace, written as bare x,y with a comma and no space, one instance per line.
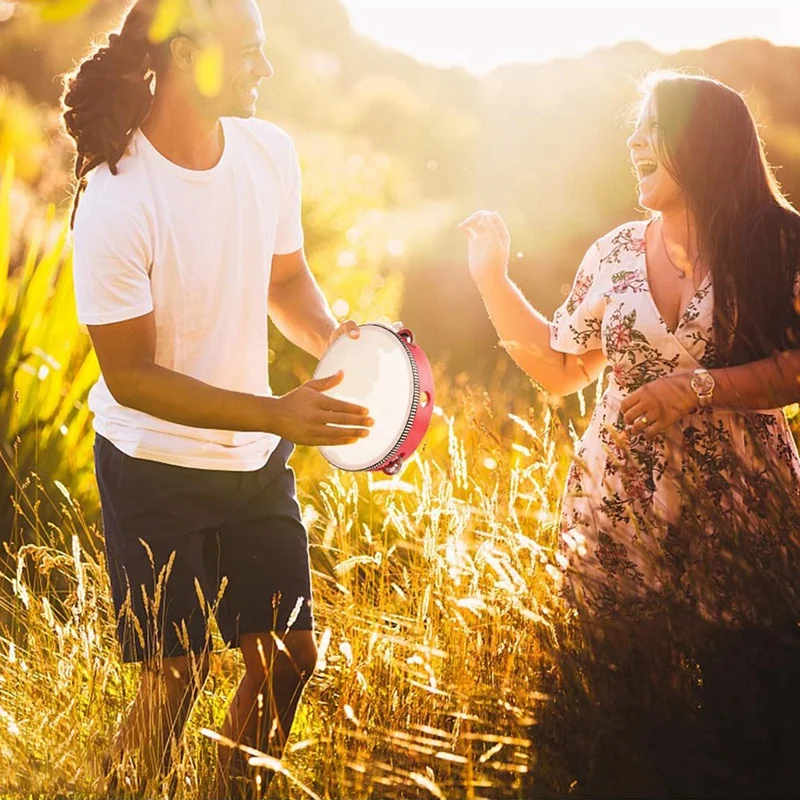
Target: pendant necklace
681,272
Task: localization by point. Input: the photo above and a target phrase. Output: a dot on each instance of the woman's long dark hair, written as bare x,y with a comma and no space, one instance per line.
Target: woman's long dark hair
108,95
747,231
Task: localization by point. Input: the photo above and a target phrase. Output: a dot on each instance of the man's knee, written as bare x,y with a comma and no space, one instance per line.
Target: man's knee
298,662
293,661
180,676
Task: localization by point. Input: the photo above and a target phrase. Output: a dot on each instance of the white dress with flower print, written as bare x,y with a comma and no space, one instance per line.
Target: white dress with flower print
632,507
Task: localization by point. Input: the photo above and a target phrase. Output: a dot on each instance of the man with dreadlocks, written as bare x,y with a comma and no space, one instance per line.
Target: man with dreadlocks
187,233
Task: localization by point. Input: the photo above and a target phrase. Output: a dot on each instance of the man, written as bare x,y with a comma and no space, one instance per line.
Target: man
187,234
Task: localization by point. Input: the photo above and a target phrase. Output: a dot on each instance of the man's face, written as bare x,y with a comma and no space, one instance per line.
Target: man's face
240,35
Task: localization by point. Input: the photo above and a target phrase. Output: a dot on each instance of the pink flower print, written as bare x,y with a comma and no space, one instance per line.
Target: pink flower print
626,281
637,489
579,292
619,372
638,245
618,337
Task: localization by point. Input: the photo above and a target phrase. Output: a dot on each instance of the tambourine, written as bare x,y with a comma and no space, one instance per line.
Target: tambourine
386,372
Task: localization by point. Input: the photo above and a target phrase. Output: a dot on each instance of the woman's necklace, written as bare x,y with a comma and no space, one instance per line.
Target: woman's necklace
681,272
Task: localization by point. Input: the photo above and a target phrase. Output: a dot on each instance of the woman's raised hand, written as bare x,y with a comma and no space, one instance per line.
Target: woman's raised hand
489,247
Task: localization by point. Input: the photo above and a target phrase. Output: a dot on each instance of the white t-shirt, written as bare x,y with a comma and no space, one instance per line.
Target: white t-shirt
195,247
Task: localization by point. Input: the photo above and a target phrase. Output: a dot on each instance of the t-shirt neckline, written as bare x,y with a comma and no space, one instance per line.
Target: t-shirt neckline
195,175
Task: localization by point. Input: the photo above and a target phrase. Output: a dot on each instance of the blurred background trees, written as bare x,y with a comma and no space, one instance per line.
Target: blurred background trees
396,152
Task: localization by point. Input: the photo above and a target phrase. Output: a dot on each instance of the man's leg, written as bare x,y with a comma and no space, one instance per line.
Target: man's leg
263,709
262,552
153,726
159,523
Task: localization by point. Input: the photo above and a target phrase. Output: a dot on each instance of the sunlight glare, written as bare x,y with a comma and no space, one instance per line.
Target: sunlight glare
480,35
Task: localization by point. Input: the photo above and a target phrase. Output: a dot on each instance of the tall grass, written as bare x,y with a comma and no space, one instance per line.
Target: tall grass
433,599
46,370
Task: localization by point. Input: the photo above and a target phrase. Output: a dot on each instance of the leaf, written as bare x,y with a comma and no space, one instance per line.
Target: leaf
5,227
427,783
62,10
40,286
60,330
166,20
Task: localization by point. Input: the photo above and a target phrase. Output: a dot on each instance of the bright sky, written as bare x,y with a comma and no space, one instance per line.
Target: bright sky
482,34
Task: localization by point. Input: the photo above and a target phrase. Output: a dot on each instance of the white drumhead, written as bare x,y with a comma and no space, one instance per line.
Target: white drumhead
377,375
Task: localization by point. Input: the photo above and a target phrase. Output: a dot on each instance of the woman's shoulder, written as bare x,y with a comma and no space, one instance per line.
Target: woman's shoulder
620,245
626,233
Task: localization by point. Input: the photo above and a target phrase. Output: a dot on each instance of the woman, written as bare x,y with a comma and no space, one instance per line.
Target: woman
693,310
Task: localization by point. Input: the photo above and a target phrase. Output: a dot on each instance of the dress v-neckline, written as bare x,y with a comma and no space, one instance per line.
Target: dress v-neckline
646,274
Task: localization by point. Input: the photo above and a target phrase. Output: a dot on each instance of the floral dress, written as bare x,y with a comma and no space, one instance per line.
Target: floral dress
641,518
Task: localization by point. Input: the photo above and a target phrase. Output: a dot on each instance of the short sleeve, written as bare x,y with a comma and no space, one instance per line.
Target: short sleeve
290,225
111,261
577,325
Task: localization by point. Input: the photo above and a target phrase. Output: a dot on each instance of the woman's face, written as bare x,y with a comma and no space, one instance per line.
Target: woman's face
658,190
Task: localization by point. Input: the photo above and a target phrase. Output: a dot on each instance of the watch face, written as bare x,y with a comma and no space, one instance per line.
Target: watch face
702,383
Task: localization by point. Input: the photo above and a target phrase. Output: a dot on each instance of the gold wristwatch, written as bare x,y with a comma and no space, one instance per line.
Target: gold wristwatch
703,386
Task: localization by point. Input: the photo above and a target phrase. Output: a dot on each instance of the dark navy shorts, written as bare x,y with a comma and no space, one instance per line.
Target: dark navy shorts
185,544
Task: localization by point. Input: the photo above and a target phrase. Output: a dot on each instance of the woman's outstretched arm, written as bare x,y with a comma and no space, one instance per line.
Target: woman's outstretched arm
523,331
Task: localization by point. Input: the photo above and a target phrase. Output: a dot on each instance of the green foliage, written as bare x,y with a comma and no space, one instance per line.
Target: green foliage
61,10
47,369
21,134
347,234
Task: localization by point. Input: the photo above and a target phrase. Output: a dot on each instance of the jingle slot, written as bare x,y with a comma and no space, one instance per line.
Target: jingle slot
393,467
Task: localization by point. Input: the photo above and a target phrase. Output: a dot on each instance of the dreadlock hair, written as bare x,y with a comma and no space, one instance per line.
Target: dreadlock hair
110,92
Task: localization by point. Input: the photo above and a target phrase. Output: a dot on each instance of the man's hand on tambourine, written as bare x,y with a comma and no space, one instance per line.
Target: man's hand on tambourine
306,416
489,247
347,328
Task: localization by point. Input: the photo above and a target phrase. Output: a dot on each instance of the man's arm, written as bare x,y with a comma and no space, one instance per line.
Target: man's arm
297,306
126,352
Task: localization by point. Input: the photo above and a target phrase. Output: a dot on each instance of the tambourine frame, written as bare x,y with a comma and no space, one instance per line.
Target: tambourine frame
405,337
392,462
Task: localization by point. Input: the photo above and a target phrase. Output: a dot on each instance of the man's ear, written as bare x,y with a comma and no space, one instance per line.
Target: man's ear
183,51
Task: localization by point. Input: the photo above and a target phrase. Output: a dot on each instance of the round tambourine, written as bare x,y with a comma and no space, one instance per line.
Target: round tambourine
386,372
